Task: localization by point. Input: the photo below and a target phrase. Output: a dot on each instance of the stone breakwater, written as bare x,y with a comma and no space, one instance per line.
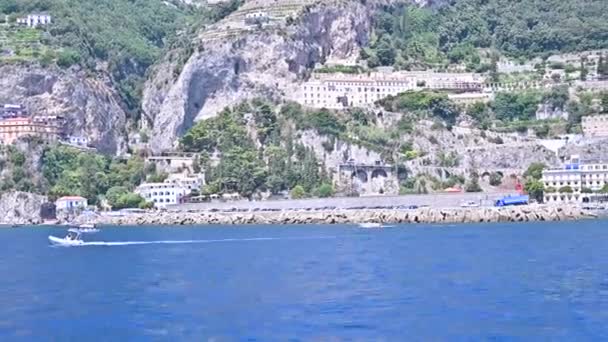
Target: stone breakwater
392,216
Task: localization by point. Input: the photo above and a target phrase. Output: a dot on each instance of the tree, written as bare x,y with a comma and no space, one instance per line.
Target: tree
535,189
535,171
583,71
473,185
325,190
298,192
604,189
602,67
114,193
495,179
385,52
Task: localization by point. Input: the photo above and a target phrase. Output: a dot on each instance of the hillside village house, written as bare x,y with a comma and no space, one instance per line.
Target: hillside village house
48,128
190,182
595,125
69,203
174,162
578,175
35,20
162,194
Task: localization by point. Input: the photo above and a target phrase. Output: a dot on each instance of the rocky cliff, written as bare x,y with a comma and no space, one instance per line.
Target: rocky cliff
89,105
20,208
249,62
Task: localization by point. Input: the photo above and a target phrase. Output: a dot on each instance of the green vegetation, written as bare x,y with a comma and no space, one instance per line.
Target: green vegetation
565,190
495,179
345,69
119,197
516,106
535,171
64,171
535,189
534,186
427,103
406,35
473,184
72,172
298,192
129,35
279,165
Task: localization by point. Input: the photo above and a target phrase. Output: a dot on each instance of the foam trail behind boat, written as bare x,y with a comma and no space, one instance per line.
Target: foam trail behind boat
173,242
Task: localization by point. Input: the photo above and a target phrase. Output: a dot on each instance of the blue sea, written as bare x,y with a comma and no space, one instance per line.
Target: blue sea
539,281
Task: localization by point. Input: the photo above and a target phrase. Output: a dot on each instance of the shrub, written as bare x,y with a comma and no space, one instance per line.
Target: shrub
298,192
495,179
565,190
473,186
325,190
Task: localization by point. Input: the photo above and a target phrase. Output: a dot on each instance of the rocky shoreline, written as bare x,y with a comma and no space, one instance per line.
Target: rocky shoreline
386,216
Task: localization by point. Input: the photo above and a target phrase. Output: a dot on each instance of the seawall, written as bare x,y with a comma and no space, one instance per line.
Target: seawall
341,216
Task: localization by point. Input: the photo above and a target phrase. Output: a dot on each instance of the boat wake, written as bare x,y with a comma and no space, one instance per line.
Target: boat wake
177,242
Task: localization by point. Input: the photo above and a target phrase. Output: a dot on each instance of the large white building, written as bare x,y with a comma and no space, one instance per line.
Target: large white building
595,125
35,20
162,194
582,177
188,181
338,91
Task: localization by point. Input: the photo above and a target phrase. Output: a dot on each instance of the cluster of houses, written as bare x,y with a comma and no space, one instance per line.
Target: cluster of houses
183,182
17,123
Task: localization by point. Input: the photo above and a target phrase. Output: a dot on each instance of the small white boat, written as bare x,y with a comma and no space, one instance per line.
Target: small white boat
73,238
469,204
88,228
370,225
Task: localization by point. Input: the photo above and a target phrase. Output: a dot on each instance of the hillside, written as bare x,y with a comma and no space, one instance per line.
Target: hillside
406,35
152,76
119,38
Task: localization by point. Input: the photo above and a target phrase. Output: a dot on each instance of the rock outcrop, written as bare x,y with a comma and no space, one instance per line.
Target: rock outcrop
266,62
21,208
90,105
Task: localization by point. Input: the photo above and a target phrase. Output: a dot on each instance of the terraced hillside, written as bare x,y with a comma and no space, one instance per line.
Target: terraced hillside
278,12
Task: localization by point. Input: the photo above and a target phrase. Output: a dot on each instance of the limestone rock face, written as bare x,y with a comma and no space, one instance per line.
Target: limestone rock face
90,105
20,208
267,62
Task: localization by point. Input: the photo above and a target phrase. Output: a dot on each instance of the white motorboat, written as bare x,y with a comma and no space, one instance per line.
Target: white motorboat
370,225
469,204
74,235
88,228
73,238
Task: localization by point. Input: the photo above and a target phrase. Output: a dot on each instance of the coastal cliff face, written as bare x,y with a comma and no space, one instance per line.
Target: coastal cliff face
267,62
20,208
89,105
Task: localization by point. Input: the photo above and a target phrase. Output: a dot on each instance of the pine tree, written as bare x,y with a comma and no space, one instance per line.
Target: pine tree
602,67
584,72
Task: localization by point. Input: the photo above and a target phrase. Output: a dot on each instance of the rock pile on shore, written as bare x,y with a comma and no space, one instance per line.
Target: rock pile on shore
393,216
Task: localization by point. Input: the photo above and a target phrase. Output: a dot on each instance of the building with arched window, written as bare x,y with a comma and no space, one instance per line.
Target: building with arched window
162,194
576,181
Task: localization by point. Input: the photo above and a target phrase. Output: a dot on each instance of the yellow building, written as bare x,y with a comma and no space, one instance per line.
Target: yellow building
49,128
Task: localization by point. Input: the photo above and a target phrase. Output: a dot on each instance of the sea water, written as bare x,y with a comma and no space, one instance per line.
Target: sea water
532,281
